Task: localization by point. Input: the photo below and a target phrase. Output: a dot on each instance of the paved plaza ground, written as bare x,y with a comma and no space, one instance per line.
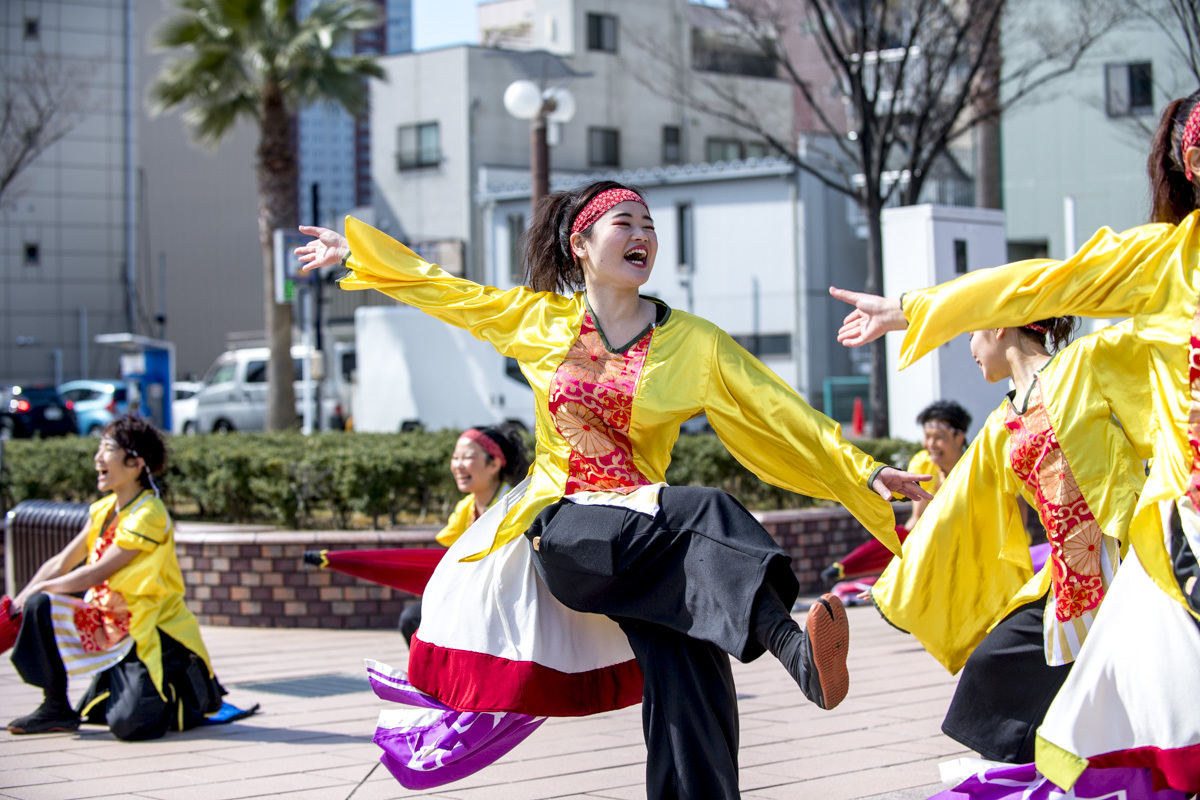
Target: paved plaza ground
883,742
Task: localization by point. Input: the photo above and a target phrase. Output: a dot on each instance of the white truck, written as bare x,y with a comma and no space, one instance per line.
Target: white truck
415,371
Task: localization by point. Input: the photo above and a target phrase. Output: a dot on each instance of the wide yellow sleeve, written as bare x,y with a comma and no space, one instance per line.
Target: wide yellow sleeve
1120,363
1113,275
966,558
460,519
379,262
769,428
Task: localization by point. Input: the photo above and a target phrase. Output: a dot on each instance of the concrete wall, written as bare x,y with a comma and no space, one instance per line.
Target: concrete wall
200,219
70,203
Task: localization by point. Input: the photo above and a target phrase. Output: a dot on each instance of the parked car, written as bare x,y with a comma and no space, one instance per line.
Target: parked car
28,411
234,396
183,406
96,403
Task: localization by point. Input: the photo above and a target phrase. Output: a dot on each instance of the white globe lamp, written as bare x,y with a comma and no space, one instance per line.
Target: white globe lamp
523,99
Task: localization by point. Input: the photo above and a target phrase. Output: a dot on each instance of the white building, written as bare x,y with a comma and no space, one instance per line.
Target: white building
1087,137
440,117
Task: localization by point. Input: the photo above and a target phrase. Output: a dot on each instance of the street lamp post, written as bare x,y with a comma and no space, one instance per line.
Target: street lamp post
526,100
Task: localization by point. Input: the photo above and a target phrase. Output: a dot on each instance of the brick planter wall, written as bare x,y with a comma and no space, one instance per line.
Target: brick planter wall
254,576
815,538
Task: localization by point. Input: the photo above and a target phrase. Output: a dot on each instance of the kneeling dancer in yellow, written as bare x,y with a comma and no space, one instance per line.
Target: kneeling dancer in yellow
131,633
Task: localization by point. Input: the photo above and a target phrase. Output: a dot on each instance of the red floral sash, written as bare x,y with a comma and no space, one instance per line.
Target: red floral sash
1075,535
1193,490
591,400
105,621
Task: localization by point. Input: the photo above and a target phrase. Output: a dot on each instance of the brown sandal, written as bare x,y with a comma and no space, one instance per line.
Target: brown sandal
828,646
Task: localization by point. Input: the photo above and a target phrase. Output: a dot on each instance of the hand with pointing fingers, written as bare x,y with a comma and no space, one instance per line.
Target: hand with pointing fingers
872,317
326,249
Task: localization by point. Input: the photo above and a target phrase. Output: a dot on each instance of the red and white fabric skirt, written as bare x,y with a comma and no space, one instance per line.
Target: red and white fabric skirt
1130,700
493,638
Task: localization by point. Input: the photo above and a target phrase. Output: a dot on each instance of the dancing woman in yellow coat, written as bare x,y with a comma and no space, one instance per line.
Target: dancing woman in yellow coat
1057,441
1152,274
686,572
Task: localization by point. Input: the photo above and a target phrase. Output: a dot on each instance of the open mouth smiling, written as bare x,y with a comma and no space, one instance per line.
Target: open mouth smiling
638,256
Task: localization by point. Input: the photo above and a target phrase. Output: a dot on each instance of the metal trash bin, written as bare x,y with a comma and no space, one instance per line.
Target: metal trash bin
34,531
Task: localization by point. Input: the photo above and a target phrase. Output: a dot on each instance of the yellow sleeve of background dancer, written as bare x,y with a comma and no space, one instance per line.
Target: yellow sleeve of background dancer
460,519
1113,275
965,559
773,432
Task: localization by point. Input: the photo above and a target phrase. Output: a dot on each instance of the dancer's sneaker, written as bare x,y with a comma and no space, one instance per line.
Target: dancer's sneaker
50,717
825,649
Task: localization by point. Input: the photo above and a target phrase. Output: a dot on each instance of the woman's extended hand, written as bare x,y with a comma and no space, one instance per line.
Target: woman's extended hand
326,249
872,317
891,480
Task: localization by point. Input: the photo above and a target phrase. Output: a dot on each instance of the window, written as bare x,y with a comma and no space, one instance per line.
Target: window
766,345
757,150
684,214
604,147
33,254
716,149
602,33
418,146
256,372
1129,89
722,149
960,256
672,151
32,28
221,373
516,231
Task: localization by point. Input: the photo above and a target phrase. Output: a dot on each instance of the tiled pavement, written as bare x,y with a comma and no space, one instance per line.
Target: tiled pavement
882,743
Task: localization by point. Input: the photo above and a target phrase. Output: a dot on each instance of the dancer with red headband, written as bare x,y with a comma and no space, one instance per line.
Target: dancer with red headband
486,463
1129,699
594,566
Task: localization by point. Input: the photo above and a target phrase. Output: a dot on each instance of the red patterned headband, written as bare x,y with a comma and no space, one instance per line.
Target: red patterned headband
1033,326
599,205
483,440
1190,138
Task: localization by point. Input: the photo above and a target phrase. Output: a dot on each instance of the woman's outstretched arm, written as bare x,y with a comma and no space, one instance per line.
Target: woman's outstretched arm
1138,272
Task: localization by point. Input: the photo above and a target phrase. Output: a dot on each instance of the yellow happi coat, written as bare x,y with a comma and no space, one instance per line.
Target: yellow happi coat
966,565
151,584
692,368
462,516
1149,273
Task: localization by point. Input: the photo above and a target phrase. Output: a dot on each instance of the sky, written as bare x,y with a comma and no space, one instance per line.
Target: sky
437,23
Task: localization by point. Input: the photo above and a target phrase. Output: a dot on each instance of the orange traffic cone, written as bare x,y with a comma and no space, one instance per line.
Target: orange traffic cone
857,423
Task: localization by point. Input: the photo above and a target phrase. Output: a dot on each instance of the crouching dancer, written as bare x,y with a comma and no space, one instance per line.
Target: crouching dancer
131,633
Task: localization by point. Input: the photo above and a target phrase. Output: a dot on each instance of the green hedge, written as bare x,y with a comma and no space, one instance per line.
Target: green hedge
340,480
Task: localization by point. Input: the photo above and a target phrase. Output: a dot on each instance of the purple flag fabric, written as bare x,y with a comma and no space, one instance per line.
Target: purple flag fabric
1024,782
428,743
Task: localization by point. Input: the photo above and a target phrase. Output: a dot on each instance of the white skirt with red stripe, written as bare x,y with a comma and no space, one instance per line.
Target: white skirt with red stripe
493,638
1130,700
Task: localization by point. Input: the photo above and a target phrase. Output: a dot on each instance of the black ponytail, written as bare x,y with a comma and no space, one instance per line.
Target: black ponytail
1172,195
1058,332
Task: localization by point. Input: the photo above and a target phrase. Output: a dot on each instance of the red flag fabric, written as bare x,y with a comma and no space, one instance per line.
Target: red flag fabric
10,623
869,558
404,569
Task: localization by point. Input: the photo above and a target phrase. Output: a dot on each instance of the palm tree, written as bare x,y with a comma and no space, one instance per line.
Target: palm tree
253,59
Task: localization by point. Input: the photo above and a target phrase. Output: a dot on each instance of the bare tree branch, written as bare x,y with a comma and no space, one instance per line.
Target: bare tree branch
41,100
